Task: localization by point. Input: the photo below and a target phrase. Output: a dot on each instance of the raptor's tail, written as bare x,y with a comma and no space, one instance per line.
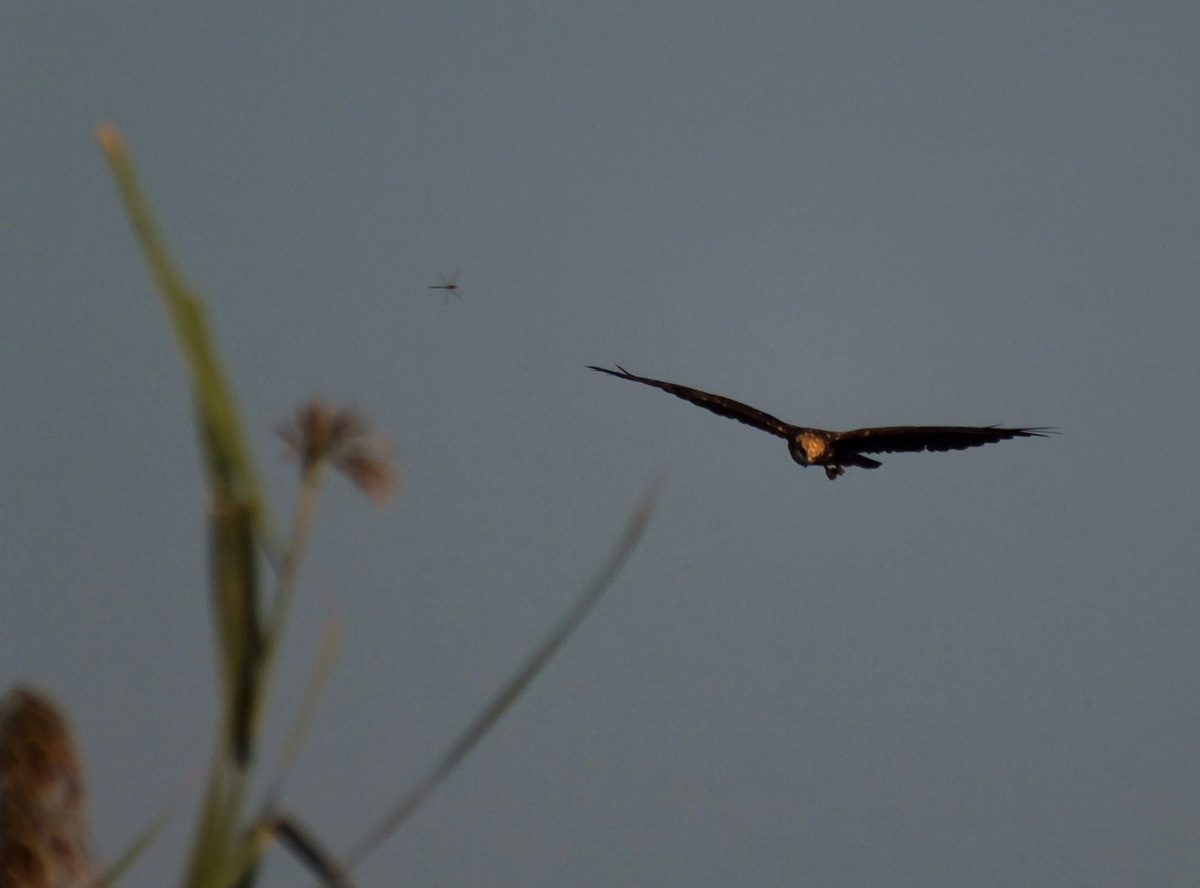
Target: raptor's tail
862,462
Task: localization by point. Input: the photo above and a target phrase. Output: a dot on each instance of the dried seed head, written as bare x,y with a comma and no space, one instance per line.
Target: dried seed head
43,819
322,432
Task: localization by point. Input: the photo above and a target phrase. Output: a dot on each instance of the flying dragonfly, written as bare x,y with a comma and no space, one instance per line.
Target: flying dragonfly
836,450
449,284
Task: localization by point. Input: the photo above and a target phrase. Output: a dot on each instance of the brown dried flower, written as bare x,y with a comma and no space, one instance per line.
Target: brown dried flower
43,818
322,432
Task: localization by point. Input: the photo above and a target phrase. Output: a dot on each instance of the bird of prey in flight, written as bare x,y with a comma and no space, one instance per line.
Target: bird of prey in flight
836,450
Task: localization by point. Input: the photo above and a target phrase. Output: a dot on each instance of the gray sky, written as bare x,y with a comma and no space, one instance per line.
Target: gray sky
977,668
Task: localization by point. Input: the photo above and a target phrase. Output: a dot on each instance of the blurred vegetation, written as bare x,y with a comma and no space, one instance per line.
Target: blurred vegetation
43,834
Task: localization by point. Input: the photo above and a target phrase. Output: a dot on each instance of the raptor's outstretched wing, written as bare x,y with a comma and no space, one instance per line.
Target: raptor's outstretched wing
716,403
914,439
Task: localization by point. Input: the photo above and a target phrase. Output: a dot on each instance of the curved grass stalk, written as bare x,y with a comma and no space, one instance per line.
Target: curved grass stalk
512,689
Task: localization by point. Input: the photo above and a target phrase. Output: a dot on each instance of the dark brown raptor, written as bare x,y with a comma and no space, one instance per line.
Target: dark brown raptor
836,450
